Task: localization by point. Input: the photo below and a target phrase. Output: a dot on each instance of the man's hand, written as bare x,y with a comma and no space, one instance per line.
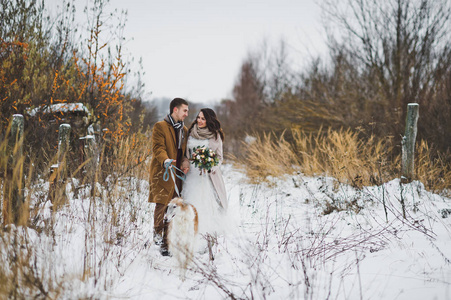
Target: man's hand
168,163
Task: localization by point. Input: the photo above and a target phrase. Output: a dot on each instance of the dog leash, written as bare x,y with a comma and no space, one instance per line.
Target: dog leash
169,168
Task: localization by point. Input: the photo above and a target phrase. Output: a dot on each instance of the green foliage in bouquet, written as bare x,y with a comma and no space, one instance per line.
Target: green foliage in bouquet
204,158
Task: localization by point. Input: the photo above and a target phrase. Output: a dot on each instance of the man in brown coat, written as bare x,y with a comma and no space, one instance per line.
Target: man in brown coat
169,139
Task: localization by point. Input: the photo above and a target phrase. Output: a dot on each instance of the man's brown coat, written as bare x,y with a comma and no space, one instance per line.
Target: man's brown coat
163,147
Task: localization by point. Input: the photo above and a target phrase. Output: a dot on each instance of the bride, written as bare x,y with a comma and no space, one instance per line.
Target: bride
206,191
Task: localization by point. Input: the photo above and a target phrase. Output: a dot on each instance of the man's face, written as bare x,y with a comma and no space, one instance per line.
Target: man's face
180,113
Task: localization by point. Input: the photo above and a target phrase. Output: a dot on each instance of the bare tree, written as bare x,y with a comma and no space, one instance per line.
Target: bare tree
403,44
248,100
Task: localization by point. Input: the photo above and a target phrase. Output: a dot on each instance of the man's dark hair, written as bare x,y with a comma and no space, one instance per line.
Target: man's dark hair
176,102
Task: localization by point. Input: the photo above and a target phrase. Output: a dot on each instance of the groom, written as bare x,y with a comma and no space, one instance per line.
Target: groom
169,139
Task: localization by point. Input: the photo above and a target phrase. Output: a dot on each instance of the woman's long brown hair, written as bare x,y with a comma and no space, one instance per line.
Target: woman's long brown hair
213,123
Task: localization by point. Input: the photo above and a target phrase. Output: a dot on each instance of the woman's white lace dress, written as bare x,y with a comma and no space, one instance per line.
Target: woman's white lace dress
198,190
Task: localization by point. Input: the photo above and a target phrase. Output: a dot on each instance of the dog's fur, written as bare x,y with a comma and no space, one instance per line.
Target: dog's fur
182,230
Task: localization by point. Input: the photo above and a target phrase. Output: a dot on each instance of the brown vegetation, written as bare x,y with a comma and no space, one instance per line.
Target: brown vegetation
43,62
104,191
343,155
347,117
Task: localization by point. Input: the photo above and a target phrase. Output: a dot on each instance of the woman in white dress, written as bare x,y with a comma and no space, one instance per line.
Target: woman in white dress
206,191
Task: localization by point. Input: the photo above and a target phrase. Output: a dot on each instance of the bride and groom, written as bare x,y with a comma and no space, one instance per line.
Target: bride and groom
173,142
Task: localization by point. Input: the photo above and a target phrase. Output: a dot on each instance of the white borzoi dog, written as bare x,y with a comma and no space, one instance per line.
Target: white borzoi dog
182,230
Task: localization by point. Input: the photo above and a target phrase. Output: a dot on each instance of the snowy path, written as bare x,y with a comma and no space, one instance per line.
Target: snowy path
283,241
281,246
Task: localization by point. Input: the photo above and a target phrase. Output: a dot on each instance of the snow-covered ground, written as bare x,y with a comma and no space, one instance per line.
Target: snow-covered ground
281,243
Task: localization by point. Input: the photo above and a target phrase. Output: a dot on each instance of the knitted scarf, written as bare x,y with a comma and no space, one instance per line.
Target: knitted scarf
178,127
201,133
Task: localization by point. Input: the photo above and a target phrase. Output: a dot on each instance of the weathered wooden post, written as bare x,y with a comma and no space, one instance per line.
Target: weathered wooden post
408,143
63,143
97,131
89,151
58,171
17,135
14,181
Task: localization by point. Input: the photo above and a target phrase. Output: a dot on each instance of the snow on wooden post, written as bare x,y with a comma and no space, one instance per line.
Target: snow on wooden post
89,150
14,181
408,143
58,171
63,142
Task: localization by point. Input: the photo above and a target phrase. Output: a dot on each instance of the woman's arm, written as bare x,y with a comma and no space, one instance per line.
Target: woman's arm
217,147
219,151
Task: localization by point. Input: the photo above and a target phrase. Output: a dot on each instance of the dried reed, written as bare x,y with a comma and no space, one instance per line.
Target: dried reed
433,172
344,155
30,267
269,156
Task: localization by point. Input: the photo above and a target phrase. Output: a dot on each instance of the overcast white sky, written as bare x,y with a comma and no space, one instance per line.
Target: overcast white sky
194,49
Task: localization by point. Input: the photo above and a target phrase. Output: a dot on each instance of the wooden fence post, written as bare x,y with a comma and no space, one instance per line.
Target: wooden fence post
14,181
17,135
97,131
89,151
57,189
408,143
63,143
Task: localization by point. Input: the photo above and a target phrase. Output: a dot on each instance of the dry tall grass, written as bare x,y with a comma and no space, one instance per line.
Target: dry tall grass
129,157
269,156
101,205
433,172
344,155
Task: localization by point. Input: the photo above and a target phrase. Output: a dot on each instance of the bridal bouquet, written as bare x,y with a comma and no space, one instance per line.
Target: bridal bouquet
204,158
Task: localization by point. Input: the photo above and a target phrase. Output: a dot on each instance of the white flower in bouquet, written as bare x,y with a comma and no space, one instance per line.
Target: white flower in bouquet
204,158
